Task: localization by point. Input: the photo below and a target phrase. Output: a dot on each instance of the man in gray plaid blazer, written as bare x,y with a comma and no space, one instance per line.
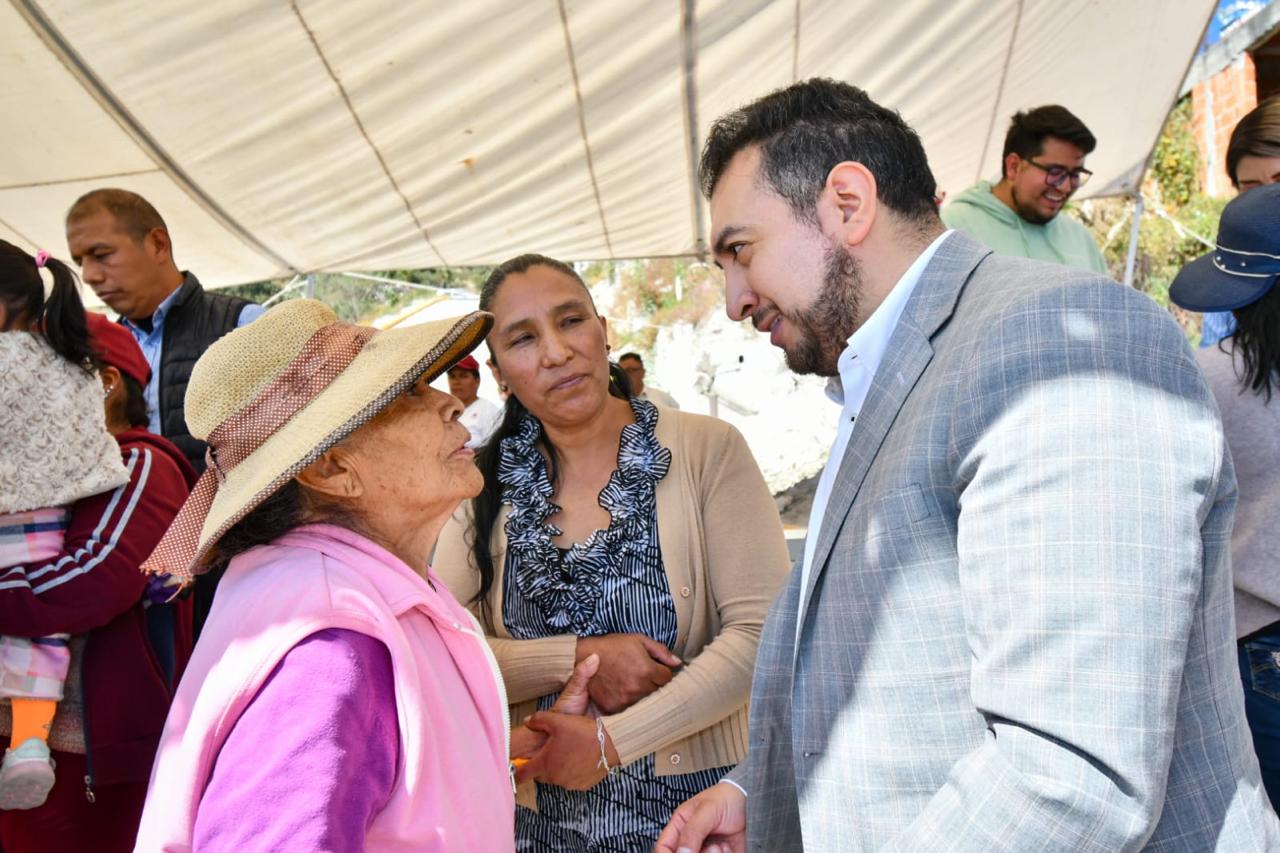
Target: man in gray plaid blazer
1012,629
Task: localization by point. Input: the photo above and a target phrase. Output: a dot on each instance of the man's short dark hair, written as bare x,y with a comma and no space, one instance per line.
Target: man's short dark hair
806,129
634,356
461,369
134,214
1257,135
1028,131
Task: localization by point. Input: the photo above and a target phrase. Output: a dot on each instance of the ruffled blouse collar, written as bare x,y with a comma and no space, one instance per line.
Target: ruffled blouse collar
566,584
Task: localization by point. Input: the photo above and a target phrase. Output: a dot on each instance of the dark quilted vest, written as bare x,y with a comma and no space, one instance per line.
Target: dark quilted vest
195,320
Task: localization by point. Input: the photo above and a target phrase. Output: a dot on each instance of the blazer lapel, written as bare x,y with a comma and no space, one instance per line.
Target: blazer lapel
909,353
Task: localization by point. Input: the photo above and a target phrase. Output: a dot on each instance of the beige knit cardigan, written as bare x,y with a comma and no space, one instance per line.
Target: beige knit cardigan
725,559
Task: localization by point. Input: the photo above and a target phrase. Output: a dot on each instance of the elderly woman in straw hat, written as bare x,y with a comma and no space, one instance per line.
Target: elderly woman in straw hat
339,698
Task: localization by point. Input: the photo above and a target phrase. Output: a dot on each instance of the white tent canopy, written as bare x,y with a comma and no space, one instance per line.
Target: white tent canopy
315,135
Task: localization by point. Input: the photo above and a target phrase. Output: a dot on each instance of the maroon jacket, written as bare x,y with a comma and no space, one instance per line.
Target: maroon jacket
94,587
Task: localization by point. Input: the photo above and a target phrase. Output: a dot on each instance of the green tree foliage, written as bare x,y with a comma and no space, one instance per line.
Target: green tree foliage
1172,188
658,292
1175,167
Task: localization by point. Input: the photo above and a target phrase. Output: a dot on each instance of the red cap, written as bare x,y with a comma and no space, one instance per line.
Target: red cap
117,347
468,363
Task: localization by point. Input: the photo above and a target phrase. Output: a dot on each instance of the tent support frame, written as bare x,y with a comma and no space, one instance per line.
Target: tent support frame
1131,255
689,37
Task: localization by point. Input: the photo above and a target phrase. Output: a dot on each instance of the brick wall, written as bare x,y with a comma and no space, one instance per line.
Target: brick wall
1217,104
1266,63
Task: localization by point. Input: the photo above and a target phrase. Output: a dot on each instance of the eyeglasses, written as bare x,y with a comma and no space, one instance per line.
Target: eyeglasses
1055,175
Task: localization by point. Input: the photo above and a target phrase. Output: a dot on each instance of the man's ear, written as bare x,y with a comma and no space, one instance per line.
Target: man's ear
334,474
161,246
849,202
1011,163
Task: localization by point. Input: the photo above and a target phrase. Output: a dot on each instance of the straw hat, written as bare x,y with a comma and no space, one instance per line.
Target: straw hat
271,397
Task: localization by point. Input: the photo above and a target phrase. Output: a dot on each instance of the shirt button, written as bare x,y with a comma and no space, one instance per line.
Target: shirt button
684,592
457,626
675,758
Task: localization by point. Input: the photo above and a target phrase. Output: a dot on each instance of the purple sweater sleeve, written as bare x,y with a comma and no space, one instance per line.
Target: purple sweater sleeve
312,760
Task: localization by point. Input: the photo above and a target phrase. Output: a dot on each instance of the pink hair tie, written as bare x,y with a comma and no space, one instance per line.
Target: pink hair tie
42,258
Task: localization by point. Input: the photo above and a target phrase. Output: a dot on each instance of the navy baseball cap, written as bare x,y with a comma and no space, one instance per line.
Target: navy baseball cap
1246,262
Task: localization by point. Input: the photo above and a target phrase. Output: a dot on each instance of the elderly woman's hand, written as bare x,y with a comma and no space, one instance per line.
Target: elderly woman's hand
631,667
574,699
570,757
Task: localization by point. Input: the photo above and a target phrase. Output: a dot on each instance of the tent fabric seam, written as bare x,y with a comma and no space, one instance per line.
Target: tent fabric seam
689,35
995,104
355,117
582,125
82,179
128,122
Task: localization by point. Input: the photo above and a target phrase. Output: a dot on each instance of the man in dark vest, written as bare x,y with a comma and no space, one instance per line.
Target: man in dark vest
125,254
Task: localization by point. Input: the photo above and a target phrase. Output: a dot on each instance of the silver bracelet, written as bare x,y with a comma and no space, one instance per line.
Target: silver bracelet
604,759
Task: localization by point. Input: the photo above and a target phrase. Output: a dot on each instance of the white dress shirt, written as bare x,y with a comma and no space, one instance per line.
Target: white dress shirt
480,418
857,365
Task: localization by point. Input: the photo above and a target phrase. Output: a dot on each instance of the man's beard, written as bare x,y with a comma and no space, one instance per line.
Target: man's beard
824,326
1028,211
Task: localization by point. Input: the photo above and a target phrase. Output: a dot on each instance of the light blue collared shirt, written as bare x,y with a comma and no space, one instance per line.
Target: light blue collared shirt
151,343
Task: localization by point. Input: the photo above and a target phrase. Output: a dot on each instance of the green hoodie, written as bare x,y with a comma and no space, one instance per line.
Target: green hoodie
1061,240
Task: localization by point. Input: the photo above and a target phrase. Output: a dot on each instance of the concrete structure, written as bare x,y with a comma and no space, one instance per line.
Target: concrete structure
1227,80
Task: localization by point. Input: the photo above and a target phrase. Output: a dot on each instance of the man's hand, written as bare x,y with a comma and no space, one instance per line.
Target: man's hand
574,699
570,757
714,821
631,667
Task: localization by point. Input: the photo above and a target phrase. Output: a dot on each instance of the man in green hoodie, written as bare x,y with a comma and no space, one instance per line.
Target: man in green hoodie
1043,165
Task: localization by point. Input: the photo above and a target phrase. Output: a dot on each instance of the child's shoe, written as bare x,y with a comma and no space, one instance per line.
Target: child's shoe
26,775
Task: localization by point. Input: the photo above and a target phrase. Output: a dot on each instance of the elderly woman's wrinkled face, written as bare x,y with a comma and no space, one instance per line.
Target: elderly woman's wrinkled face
550,345
412,458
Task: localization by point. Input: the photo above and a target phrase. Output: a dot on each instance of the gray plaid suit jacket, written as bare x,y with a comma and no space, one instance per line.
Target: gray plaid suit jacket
1019,631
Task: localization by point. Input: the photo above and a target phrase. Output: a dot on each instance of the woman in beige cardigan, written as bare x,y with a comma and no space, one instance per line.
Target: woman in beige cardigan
610,526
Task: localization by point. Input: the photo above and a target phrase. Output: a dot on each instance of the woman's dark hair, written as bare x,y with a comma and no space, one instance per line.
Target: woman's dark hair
1028,131
268,521
1257,341
1257,135
489,502
286,508
60,318
806,129
135,402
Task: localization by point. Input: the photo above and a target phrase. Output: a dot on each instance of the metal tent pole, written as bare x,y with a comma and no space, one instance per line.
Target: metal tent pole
1131,258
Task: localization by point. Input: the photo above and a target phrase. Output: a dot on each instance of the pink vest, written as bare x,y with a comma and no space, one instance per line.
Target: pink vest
453,790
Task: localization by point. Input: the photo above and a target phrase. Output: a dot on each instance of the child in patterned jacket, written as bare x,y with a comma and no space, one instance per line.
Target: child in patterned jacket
54,450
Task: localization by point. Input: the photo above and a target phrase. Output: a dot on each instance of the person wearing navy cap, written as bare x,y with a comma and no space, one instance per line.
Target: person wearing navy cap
1243,370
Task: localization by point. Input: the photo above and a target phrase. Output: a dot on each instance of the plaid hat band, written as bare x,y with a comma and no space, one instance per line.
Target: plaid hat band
326,354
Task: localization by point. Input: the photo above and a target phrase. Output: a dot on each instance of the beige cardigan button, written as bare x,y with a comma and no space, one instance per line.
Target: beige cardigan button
675,758
684,591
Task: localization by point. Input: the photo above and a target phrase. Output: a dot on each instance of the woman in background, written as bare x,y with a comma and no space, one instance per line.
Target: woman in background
1243,371
1253,160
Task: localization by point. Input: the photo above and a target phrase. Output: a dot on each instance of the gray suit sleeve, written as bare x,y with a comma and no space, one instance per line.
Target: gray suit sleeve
1087,457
